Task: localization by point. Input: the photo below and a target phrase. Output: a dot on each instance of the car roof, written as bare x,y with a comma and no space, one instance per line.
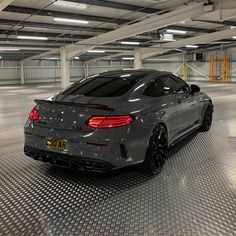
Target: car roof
133,72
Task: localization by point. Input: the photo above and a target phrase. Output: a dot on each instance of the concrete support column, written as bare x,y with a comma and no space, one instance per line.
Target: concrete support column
85,68
137,59
65,70
22,74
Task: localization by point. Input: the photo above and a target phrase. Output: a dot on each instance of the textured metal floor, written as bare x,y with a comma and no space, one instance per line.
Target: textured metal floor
194,195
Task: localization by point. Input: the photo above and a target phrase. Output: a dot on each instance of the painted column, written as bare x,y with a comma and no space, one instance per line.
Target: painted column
137,59
65,70
22,74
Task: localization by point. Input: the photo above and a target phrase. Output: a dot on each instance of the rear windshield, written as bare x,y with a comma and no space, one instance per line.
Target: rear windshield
104,86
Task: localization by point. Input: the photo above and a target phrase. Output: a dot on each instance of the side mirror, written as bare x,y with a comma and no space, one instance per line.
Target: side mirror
194,89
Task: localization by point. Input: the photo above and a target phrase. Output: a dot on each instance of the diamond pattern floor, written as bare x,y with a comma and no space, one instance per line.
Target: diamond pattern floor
194,195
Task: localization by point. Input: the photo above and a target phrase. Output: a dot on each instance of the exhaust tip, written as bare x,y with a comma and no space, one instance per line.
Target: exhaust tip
124,152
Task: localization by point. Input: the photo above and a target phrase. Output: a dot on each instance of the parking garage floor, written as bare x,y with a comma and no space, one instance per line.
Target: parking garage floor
195,194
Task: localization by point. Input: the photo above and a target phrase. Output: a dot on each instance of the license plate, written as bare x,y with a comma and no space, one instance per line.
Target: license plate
58,144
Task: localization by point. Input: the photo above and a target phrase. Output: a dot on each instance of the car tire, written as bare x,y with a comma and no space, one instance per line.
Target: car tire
156,151
207,119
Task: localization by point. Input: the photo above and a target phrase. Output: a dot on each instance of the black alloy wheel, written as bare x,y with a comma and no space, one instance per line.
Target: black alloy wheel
207,120
156,152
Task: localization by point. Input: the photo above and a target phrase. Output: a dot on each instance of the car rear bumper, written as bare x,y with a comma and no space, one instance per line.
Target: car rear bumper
70,161
117,147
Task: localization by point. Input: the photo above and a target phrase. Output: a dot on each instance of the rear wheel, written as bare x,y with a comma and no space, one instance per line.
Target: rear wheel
207,119
156,152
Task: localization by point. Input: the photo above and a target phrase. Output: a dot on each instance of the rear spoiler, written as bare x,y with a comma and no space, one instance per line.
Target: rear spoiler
77,104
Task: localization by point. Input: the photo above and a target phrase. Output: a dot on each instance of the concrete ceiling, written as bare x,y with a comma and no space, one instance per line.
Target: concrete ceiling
36,18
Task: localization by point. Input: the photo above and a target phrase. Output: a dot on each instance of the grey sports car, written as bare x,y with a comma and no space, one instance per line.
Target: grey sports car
116,119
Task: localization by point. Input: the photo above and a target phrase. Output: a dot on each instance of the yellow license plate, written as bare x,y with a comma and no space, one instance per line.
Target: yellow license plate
58,144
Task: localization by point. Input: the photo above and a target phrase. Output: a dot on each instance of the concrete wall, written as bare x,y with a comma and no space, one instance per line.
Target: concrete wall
43,71
38,71
48,71
201,71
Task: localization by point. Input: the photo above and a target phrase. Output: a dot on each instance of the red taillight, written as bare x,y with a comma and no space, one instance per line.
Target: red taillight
34,114
106,122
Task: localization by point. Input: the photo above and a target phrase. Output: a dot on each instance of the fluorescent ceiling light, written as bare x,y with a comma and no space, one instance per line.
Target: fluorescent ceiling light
70,20
127,58
233,27
191,46
176,31
36,29
130,43
159,59
96,51
57,58
0,57
234,37
9,49
52,58
74,5
32,37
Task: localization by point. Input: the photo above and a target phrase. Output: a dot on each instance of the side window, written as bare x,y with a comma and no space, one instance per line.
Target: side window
183,86
170,83
155,89
175,84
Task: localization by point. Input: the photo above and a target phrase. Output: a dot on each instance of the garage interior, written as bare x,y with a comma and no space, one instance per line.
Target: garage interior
46,45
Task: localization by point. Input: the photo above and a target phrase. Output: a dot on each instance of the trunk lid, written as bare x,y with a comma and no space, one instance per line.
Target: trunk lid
73,112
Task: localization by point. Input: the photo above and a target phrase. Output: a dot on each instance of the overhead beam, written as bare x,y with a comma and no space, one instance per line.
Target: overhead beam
228,14
56,50
5,3
59,43
202,39
18,44
116,5
109,56
191,29
39,56
72,36
51,13
177,27
53,42
149,24
225,22
117,50
214,47
77,37
52,26
29,48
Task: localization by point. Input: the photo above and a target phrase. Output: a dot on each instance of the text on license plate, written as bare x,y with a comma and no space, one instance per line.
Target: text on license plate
59,144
